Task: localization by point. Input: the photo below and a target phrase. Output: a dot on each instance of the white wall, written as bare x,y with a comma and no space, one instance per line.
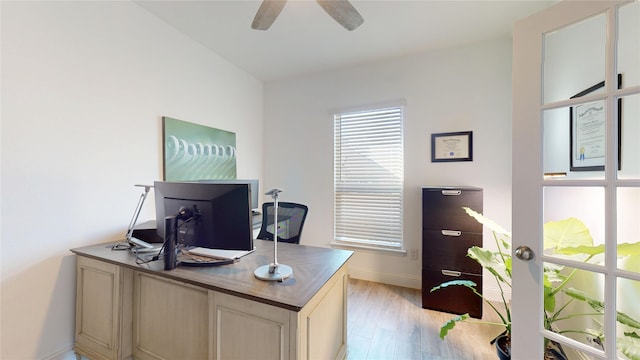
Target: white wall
84,87
458,89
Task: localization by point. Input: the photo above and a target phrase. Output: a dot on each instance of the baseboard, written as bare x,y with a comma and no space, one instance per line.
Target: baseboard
385,278
62,354
414,282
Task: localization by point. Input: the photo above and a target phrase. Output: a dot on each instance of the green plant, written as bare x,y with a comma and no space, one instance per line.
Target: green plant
568,238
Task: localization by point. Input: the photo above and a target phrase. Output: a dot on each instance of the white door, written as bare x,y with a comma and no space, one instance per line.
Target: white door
576,154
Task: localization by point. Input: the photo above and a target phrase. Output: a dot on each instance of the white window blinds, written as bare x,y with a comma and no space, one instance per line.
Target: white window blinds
368,178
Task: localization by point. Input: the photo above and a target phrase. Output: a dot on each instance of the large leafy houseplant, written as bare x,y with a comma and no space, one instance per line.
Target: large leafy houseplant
569,238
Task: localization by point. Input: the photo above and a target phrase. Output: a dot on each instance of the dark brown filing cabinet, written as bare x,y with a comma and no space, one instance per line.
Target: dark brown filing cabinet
447,232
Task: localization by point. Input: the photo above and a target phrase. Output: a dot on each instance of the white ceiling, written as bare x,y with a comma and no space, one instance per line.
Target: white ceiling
304,39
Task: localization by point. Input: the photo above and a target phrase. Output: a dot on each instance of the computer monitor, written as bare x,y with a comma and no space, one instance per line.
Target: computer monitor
221,213
255,189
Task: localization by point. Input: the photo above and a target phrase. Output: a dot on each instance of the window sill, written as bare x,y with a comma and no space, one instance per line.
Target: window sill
398,251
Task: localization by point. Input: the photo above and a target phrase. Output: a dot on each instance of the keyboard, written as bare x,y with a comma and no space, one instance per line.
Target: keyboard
219,253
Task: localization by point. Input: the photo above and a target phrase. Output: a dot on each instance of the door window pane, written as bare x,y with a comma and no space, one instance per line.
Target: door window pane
574,141
574,58
574,216
629,43
574,305
628,325
630,138
628,200
555,151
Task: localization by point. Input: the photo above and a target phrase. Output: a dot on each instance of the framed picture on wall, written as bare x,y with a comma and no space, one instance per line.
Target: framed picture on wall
197,152
452,146
588,129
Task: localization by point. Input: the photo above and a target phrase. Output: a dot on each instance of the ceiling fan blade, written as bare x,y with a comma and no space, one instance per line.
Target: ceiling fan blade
343,12
267,14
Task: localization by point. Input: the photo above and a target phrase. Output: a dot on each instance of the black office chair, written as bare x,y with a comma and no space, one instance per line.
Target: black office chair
291,218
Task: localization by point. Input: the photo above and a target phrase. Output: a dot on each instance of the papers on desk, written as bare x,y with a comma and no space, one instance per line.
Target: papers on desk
219,253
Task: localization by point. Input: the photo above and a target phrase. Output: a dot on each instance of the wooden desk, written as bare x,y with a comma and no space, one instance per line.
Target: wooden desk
142,311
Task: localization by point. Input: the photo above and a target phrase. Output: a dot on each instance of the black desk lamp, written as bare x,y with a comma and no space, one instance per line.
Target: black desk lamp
274,271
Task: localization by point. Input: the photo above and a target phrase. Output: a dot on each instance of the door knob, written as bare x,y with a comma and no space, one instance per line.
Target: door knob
524,252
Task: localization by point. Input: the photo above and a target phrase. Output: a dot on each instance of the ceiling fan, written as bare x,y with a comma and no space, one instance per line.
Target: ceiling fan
340,10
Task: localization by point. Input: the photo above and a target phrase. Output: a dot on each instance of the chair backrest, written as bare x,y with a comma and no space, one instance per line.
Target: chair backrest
291,218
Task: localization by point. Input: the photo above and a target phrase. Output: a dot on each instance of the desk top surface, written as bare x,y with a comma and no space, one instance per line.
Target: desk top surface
312,268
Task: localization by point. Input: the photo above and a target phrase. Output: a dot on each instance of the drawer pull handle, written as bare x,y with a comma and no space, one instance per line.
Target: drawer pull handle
451,233
451,192
451,273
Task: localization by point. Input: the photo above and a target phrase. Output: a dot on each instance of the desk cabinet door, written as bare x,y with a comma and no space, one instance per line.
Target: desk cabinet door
171,319
246,329
103,295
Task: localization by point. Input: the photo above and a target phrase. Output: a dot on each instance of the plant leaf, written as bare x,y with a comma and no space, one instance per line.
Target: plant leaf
623,250
487,222
598,306
569,232
484,257
492,262
629,346
549,299
626,249
553,272
580,250
467,283
628,320
451,323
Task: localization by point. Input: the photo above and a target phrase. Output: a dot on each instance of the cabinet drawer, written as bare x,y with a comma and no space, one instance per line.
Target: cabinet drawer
442,208
446,249
455,299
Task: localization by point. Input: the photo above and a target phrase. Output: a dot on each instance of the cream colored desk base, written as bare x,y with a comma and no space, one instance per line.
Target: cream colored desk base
123,312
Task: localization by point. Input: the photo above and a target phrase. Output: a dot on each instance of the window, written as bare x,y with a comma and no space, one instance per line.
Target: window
368,178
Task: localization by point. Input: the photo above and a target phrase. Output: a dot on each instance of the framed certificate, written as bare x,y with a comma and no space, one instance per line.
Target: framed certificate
452,146
588,124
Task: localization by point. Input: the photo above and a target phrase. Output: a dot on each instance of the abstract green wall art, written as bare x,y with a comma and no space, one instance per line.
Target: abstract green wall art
197,152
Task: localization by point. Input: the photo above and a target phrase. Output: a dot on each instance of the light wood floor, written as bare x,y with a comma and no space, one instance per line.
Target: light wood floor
388,322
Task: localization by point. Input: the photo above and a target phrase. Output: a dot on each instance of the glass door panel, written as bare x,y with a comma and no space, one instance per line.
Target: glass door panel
555,149
573,216
628,209
574,246
629,43
574,307
574,141
628,324
574,59
630,137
